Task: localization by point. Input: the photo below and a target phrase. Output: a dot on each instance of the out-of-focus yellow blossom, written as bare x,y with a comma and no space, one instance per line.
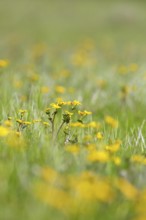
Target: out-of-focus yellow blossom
27,123
133,67
101,83
87,137
55,106
77,124
138,159
54,197
111,121
36,120
140,206
65,73
99,135
16,140
60,89
8,123
114,147
4,63
18,84
74,149
22,111
23,98
128,190
69,113
38,50
74,103
89,188
45,123
84,113
49,174
3,131
91,147
45,89
93,124
117,160
34,77
98,156
123,69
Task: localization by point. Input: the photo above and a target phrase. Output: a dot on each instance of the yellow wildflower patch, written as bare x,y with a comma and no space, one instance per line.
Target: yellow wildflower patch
111,121
98,156
3,131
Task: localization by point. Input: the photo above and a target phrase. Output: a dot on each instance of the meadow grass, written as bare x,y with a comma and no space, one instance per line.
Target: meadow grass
72,110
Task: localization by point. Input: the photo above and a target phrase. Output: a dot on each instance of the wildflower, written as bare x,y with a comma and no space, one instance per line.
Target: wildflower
69,113
54,197
8,123
111,121
22,111
47,111
36,120
99,136
84,113
133,67
34,77
114,147
122,69
93,124
98,156
116,160
4,63
138,159
128,190
3,131
55,106
75,103
60,89
77,124
18,84
45,89
45,123
101,83
27,123
74,149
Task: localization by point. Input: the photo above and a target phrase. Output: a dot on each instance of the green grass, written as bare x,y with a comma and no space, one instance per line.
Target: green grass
95,50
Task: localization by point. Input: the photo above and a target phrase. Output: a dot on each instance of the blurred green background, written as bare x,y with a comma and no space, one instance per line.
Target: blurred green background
68,21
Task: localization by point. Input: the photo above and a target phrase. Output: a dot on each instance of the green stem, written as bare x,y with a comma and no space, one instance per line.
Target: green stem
59,128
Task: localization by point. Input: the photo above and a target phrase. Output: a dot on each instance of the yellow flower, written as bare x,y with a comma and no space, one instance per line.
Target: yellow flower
128,190
133,67
116,160
93,124
3,131
4,63
111,121
77,124
84,113
22,111
8,123
69,113
114,147
74,103
45,123
74,149
55,106
27,122
60,89
45,89
18,84
138,159
98,156
99,136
